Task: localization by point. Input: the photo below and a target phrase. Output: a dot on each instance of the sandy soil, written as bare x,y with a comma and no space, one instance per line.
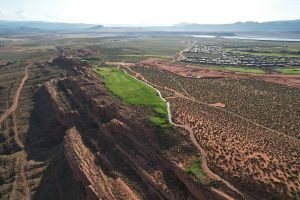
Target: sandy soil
204,165
16,97
219,104
125,64
196,72
10,111
25,182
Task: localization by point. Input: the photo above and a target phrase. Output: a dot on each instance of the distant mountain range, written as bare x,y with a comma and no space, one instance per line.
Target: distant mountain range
39,26
9,27
281,26
97,27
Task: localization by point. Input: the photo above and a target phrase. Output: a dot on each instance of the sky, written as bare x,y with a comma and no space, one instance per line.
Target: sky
150,12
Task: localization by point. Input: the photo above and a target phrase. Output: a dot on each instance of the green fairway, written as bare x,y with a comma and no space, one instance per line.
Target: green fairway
271,51
155,56
289,70
137,58
239,69
196,170
135,92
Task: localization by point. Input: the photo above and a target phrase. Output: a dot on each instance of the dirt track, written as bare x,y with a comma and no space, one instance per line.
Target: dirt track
187,96
204,165
18,141
12,110
25,181
199,72
14,106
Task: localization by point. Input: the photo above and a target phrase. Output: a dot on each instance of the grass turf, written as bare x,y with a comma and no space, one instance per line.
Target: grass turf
196,170
239,69
289,70
135,92
273,51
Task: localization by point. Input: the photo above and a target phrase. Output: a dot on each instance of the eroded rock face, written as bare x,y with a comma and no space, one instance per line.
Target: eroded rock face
112,153
71,64
64,112
82,163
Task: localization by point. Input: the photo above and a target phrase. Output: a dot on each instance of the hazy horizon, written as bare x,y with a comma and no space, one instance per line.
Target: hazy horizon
140,25
146,13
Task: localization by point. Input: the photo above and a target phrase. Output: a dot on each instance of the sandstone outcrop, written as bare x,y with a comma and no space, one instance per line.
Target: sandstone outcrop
111,152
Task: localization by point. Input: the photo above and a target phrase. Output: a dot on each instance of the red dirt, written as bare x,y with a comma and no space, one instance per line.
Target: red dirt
187,96
219,104
16,136
119,63
197,72
10,111
25,182
14,106
204,165
222,194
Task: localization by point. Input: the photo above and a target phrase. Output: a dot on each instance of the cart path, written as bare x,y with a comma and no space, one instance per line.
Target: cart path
188,97
204,165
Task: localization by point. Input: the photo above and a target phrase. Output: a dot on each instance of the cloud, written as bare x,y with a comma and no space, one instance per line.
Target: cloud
51,16
165,12
9,15
3,14
20,14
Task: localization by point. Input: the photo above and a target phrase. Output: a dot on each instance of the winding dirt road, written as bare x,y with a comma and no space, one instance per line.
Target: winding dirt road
204,165
14,106
25,181
188,97
12,111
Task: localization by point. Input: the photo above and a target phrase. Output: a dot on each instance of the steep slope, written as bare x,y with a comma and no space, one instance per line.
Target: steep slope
119,157
79,141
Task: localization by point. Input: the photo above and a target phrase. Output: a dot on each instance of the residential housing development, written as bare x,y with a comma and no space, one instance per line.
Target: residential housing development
215,55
